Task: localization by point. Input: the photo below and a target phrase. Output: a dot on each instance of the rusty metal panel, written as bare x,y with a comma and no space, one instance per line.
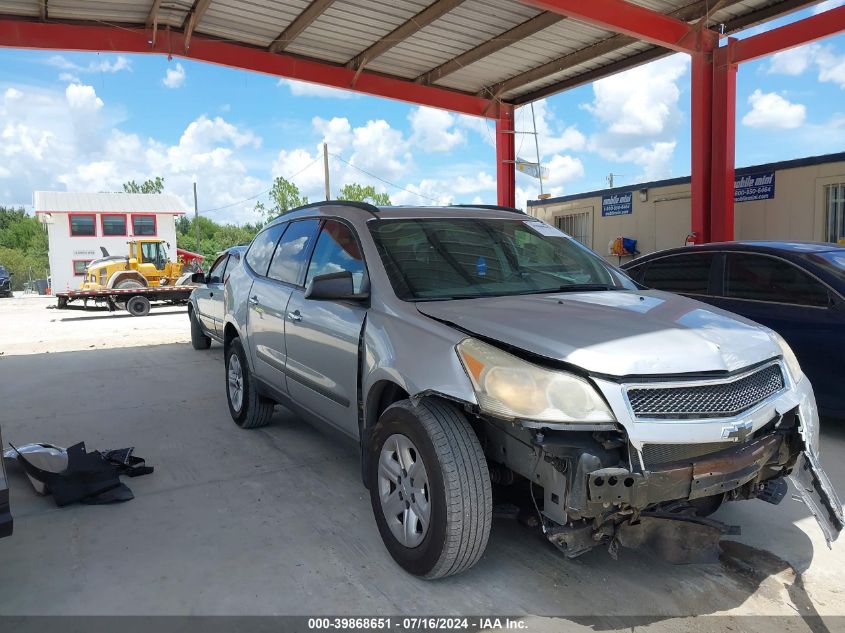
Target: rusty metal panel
465,27
256,22
349,27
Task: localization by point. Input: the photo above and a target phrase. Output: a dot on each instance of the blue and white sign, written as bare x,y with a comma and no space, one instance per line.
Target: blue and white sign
617,204
759,186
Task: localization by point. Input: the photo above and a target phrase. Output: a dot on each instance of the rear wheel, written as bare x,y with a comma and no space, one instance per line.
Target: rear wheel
248,408
429,488
198,338
138,306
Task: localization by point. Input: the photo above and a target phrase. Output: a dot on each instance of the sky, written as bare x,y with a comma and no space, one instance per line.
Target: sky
90,122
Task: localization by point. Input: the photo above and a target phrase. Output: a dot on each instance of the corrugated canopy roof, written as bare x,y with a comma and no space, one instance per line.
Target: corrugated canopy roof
63,202
505,50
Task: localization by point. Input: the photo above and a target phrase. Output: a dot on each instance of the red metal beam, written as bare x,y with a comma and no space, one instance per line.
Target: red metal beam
801,32
630,19
701,138
723,145
505,157
82,37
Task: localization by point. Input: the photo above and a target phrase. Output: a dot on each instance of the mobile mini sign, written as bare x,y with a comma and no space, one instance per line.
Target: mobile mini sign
750,187
617,203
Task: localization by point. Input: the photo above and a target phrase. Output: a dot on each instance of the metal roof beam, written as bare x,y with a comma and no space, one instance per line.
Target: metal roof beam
594,75
503,40
689,13
402,32
193,18
809,29
628,19
83,37
152,17
299,24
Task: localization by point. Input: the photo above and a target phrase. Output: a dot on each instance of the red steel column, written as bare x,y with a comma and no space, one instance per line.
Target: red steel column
724,144
701,138
505,157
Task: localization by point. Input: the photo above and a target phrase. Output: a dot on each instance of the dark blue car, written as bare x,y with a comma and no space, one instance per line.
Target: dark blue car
795,288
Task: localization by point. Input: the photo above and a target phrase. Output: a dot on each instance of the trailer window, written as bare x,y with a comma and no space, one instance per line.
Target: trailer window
144,224
114,224
83,225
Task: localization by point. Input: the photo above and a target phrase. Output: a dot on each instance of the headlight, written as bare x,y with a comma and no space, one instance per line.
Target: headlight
789,358
508,387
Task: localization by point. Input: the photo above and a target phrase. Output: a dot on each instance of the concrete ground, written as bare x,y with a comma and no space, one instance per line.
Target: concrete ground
276,520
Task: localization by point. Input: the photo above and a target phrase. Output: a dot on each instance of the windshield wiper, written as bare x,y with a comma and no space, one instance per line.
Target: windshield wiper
572,288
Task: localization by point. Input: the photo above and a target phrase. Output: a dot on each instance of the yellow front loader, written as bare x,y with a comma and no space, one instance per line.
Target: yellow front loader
146,265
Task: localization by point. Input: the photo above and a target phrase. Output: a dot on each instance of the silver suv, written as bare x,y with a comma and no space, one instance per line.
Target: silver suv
472,348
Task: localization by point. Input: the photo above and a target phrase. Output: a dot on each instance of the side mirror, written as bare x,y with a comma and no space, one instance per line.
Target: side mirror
198,278
334,287
11,274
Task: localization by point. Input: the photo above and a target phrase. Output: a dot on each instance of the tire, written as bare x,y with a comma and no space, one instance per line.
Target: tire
128,283
198,338
459,496
138,306
252,410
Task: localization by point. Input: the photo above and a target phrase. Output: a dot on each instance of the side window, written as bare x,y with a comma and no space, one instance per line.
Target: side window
261,250
291,256
764,278
215,276
337,250
680,273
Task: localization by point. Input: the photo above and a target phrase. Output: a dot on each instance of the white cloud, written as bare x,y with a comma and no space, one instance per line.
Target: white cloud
66,141
12,94
772,111
101,65
553,136
174,77
69,77
306,89
435,130
827,5
640,115
793,61
830,65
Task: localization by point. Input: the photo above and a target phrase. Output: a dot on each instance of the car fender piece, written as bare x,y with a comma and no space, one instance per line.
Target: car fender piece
817,493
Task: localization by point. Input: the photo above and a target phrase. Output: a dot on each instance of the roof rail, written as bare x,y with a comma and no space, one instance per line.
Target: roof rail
492,207
364,206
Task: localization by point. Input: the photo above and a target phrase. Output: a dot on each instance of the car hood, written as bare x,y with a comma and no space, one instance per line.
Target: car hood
617,333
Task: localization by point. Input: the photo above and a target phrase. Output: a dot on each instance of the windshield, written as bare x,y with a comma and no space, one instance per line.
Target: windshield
444,258
3,272
833,262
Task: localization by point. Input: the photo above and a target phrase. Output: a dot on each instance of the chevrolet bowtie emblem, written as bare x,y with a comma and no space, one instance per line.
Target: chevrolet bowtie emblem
737,431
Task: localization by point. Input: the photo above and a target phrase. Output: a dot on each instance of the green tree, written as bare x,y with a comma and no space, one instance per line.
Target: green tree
284,196
23,246
360,193
148,186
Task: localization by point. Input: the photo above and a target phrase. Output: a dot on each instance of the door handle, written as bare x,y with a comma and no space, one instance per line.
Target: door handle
210,294
254,300
296,315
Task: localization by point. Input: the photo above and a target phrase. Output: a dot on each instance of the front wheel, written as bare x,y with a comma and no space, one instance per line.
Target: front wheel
248,408
429,488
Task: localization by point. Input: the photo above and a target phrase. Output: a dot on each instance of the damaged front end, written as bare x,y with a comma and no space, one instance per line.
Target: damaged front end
598,489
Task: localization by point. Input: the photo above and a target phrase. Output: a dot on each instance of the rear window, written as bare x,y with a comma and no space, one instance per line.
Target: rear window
833,262
688,273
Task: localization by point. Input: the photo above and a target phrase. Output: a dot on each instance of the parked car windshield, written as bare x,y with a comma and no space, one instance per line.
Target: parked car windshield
462,258
834,262
3,272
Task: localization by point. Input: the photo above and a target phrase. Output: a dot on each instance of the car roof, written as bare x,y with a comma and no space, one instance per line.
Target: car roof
757,246
349,209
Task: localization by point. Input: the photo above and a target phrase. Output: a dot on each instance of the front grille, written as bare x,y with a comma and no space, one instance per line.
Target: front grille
711,400
655,454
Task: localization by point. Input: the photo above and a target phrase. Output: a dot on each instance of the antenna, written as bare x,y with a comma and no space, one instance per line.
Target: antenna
610,178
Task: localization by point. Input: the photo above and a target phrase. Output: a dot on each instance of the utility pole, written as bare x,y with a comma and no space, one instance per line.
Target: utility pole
197,217
326,170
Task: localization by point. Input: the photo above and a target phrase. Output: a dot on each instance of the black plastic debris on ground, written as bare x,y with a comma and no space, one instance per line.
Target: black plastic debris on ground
92,478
